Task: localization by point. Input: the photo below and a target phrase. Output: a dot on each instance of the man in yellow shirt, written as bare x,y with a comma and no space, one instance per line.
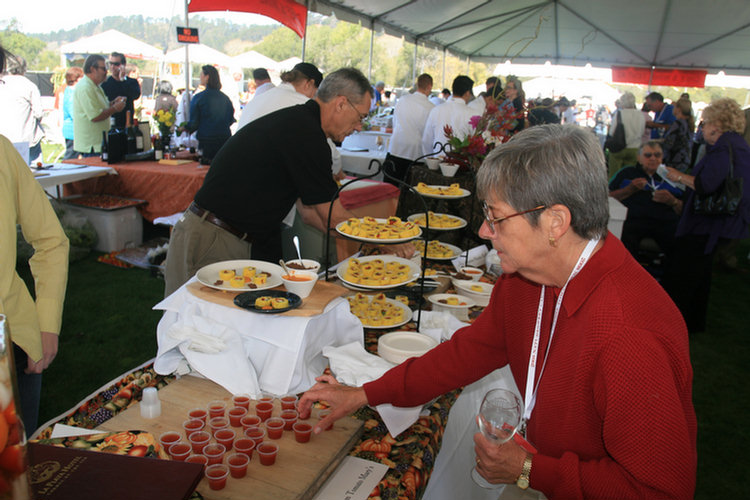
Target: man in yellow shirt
34,325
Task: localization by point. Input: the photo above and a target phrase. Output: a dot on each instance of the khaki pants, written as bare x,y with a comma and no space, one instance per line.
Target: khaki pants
624,158
196,243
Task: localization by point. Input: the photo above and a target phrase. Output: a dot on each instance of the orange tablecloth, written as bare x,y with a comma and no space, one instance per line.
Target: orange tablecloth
168,189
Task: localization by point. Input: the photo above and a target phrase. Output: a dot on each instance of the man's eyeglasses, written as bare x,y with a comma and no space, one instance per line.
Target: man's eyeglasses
101,67
491,221
114,63
362,116
649,155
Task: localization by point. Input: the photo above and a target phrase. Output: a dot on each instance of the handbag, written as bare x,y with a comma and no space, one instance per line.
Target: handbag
616,142
726,199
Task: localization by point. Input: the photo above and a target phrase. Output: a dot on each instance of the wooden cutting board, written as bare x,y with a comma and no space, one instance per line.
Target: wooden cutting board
300,468
312,305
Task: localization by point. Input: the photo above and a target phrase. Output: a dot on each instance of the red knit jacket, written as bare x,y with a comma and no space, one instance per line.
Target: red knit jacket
614,415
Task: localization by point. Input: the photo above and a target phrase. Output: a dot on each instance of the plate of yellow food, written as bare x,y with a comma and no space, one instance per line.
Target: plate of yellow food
268,301
452,192
240,275
438,222
378,271
372,230
437,250
378,311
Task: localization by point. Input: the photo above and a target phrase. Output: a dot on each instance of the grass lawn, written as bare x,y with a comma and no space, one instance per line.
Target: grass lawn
109,328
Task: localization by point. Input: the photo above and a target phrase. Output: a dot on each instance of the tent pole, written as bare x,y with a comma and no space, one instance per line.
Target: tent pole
304,38
372,40
414,66
187,66
443,81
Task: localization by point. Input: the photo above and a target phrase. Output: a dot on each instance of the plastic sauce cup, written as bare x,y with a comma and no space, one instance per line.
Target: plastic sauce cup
323,414
217,476
267,452
179,451
244,445
241,401
289,417
214,453
217,408
192,425
265,398
199,440
256,434
264,410
197,459
302,432
275,427
235,416
198,413
218,423
225,437
167,439
250,421
237,463
289,402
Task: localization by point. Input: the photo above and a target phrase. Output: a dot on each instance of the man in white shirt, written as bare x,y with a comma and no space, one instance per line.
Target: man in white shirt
480,103
21,106
409,118
454,112
262,81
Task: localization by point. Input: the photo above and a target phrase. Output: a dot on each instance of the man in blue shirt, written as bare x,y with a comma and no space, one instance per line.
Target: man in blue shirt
663,115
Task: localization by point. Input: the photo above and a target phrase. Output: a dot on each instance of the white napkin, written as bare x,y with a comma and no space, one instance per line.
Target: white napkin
476,258
197,341
439,325
354,366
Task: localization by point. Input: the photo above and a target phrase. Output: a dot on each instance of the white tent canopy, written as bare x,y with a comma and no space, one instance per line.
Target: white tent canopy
111,41
199,54
253,60
288,64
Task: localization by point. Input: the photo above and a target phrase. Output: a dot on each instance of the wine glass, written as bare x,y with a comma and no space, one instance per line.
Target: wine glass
498,419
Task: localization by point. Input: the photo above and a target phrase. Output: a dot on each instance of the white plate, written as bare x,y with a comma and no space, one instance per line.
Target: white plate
376,240
481,298
414,217
464,193
208,275
456,252
407,316
397,347
414,273
435,298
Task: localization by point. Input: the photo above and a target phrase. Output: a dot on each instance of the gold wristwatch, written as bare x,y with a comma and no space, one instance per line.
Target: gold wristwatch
523,480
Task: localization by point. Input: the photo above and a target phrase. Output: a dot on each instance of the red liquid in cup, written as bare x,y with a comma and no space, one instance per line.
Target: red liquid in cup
237,463
199,440
264,410
250,421
218,423
288,402
235,416
274,427
302,432
199,414
216,409
256,434
192,425
245,446
214,453
241,402
179,451
225,437
169,438
217,476
289,417
267,453
197,459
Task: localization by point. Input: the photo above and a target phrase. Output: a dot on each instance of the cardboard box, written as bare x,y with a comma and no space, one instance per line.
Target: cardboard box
617,215
117,228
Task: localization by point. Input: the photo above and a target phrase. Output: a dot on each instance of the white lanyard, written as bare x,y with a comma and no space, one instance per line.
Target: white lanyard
531,389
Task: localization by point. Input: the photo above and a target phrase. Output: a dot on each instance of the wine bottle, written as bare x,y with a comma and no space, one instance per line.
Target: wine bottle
105,153
116,143
158,152
138,137
131,141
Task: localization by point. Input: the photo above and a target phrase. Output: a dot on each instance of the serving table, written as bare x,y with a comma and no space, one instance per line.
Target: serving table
64,173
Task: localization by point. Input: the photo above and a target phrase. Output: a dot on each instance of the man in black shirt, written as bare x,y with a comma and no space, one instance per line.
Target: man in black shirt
119,84
261,172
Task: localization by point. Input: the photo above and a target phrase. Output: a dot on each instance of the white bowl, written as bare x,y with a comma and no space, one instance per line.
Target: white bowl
460,310
481,298
309,264
474,272
448,169
432,163
397,347
301,288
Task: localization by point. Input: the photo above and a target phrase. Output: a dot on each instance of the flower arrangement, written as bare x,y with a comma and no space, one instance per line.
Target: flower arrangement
165,119
493,127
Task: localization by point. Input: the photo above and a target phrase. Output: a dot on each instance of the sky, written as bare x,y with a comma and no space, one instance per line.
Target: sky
44,16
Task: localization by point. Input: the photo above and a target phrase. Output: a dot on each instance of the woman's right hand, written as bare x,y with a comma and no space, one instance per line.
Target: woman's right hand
343,400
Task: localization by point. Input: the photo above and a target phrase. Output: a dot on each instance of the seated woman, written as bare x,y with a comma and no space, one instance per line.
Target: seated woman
569,317
211,114
677,143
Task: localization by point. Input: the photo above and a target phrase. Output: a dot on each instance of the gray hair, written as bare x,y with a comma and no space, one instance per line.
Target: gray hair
549,165
627,100
91,61
348,82
650,144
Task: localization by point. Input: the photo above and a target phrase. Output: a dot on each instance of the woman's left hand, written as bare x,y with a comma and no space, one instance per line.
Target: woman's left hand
673,174
498,464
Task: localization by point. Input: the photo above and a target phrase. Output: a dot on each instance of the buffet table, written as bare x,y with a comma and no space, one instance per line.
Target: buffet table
63,173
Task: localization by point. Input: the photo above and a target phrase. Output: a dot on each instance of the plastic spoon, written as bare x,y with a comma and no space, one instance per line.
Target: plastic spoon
296,245
283,266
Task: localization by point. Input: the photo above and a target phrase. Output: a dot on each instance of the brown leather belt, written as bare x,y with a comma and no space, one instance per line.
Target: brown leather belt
213,219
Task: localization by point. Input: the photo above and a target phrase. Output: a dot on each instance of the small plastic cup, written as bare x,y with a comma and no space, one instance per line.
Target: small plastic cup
289,417
265,398
275,427
218,423
192,425
257,434
237,463
180,451
267,452
302,432
323,414
199,440
264,410
289,402
250,421
197,459
214,452
225,437
198,413
244,445
235,416
217,476
216,408
167,439
241,401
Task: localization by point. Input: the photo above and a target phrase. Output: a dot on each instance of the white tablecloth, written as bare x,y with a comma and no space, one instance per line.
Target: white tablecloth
358,162
275,353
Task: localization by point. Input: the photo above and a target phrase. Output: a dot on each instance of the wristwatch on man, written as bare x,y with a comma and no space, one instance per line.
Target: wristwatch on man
523,480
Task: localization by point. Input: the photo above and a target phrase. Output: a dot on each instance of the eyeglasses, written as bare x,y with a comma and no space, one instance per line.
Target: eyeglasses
649,155
114,63
362,116
101,67
491,221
